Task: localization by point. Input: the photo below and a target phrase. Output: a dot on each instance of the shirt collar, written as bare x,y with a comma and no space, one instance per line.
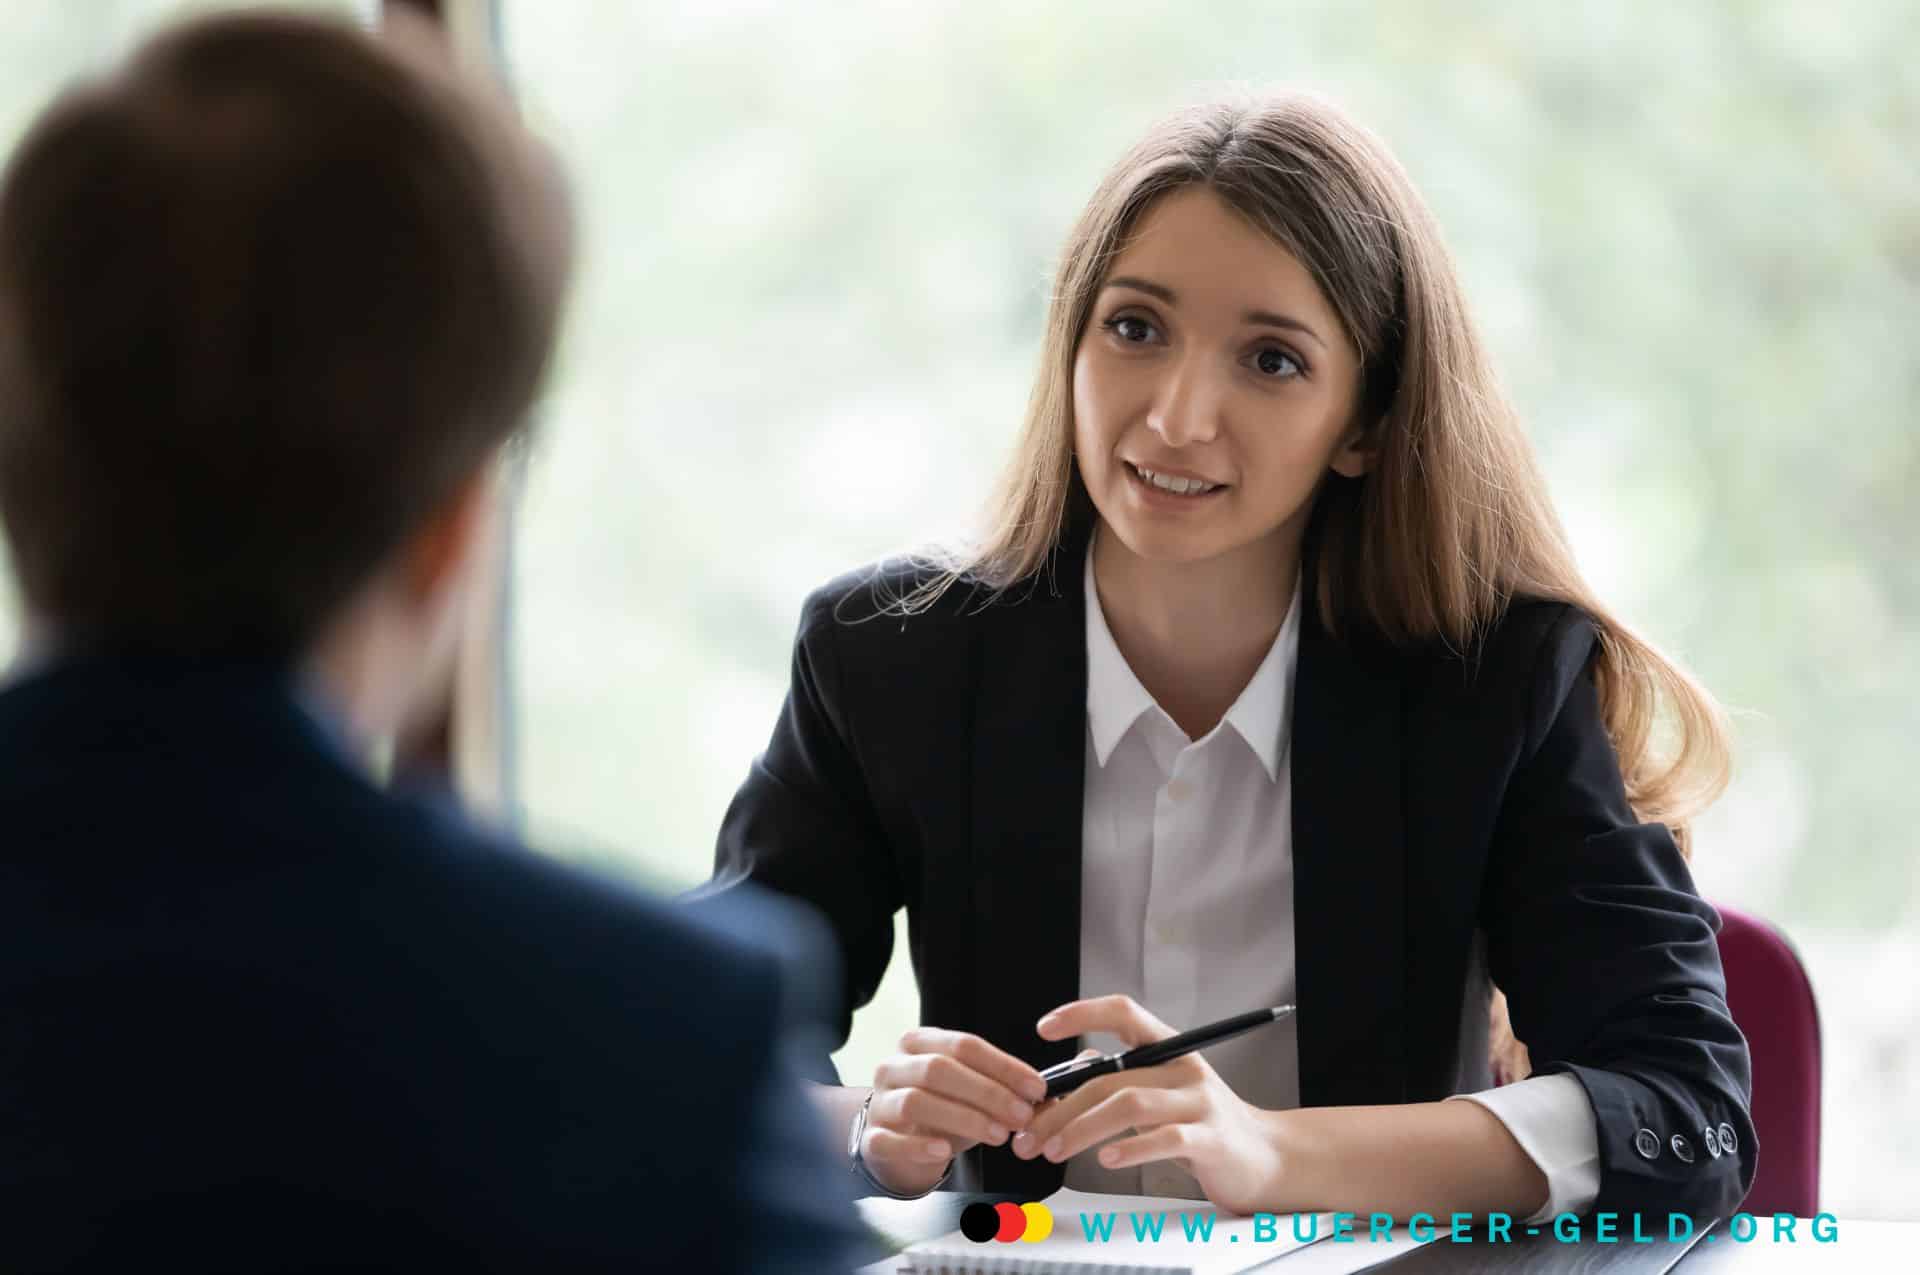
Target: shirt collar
1264,712
1116,700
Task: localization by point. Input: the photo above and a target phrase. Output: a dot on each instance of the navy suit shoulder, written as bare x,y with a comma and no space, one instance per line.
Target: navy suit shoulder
799,941
696,1019
259,1011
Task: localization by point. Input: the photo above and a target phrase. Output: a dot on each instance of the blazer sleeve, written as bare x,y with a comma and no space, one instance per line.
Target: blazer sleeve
1609,959
792,1204
803,823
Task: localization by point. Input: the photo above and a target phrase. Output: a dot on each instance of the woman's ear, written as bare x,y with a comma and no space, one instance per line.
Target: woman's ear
1357,452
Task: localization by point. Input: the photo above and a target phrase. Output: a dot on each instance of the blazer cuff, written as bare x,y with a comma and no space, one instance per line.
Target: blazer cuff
1554,1123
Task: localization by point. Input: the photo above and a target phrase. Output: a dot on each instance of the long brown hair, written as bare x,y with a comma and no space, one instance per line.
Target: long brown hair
1453,521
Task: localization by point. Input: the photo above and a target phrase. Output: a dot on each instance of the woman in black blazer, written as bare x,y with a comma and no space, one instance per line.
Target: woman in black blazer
1266,460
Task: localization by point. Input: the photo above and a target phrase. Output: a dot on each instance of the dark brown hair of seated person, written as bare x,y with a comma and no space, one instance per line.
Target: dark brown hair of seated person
270,292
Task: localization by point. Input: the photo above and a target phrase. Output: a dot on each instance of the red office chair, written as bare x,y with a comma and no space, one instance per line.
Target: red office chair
1772,1001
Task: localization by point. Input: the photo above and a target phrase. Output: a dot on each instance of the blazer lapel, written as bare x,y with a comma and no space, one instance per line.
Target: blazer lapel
1029,758
1349,874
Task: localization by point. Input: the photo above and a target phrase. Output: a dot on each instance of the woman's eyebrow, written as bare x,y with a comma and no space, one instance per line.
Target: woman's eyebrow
1261,318
1141,285
1268,319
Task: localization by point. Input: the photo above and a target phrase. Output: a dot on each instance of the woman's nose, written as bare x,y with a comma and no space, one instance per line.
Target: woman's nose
1185,409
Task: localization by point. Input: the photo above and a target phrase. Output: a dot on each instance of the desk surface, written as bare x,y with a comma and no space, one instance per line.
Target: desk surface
1856,1246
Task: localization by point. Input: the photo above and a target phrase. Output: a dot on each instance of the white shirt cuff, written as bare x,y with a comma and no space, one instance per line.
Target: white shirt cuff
1553,1121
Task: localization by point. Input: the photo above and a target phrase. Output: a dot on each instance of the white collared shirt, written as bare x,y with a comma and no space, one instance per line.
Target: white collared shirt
1186,905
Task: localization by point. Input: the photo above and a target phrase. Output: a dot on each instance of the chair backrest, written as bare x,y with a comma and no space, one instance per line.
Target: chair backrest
1772,1002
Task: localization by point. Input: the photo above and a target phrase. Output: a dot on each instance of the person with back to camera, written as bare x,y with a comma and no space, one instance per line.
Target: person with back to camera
1271,680
274,294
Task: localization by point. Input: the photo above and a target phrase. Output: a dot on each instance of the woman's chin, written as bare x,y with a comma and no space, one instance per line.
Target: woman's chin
1169,546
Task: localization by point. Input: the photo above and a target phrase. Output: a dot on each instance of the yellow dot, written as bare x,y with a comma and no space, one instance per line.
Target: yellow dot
1039,1223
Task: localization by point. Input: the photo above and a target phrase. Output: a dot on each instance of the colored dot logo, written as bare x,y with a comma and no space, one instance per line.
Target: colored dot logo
1005,1223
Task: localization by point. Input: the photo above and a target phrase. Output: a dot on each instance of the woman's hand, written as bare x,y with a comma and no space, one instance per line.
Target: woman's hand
942,1093
1180,1111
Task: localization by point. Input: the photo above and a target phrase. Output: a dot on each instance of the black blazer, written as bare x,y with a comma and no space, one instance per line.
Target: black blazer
258,1014
936,763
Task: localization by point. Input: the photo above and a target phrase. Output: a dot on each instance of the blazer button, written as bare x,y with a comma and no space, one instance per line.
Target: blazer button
1728,1142
1712,1140
1647,1144
1682,1148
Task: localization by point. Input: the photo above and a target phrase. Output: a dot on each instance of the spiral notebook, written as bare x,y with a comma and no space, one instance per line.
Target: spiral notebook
1117,1233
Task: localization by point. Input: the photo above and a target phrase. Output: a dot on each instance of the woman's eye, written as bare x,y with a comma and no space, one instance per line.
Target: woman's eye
1276,363
1130,328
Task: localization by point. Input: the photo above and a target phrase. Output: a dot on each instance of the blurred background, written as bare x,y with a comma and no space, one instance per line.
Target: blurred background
817,239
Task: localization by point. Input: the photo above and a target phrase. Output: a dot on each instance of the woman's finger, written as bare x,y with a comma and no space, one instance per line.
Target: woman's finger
1054,1116
1168,1142
1131,1108
1020,1079
947,1076
918,1111
879,1143
1120,1016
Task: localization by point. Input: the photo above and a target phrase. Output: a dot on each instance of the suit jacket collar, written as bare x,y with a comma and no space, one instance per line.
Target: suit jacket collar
1029,754
231,713
1349,873
1350,910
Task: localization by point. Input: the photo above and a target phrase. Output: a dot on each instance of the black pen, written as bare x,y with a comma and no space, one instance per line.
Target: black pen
1064,1078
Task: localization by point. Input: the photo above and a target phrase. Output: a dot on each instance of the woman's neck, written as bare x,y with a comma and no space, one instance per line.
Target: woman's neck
1195,633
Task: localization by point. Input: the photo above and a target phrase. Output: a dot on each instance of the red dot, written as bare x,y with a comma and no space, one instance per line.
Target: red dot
1013,1222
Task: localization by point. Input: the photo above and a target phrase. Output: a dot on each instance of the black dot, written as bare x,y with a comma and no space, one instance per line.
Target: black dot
979,1222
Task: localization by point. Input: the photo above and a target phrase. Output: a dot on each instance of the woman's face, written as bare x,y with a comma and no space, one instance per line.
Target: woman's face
1212,389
